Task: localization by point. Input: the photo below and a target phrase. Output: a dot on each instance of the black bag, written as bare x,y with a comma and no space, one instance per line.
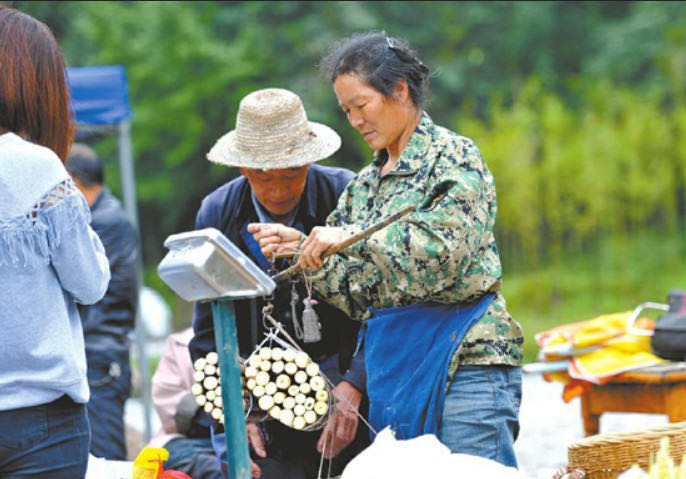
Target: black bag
669,339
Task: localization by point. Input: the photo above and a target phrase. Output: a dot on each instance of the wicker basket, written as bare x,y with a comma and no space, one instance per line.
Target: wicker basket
604,456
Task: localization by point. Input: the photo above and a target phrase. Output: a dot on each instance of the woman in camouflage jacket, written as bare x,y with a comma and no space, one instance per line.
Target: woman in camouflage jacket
435,275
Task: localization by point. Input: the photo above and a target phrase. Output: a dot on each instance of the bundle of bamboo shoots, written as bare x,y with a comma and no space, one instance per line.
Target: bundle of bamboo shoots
206,386
288,385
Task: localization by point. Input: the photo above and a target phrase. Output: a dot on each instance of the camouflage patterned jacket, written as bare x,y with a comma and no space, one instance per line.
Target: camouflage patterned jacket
444,253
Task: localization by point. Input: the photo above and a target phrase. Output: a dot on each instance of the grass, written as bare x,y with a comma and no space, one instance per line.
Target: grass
617,276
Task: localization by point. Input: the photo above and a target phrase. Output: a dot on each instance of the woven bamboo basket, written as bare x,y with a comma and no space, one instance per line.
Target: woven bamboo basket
604,456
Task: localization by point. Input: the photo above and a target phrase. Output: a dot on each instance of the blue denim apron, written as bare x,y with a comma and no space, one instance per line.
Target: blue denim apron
407,351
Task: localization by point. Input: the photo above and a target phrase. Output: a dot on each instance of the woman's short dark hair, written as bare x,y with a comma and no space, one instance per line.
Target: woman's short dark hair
34,96
380,61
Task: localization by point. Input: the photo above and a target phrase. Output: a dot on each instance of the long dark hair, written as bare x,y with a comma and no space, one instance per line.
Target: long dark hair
34,95
380,61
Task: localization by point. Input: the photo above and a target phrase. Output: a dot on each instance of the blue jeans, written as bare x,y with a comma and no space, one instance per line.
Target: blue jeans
481,413
49,441
106,406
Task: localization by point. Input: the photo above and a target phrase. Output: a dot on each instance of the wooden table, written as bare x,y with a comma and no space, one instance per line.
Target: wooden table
659,389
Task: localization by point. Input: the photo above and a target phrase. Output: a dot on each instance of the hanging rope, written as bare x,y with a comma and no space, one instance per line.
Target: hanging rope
297,327
272,336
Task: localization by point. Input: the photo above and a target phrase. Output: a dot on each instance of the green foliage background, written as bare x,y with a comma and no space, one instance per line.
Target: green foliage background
579,109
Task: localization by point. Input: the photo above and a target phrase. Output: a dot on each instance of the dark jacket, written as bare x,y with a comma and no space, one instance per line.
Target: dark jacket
107,324
228,209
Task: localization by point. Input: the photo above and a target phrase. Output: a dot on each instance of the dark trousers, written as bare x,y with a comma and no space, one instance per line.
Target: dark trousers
49,441
110,387
194,456
296,452
293,454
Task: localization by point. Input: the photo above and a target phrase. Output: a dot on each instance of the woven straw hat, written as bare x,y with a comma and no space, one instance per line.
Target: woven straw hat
272,132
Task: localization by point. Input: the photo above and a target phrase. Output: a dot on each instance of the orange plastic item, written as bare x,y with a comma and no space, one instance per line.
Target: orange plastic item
598,349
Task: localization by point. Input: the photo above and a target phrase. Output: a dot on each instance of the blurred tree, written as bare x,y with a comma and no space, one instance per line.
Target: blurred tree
578,107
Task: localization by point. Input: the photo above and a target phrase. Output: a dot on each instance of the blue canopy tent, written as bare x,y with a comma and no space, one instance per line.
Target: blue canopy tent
100,99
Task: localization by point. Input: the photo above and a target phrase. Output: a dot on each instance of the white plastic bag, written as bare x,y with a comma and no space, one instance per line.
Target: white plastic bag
99,468
423,456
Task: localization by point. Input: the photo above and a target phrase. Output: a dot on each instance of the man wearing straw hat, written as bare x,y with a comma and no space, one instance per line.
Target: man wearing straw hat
275,147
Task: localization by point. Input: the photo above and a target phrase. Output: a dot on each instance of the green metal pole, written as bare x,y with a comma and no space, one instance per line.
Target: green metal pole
237,457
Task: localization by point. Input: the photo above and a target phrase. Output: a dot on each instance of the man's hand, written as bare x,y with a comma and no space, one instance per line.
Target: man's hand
275,238
255,470
255,440
342,424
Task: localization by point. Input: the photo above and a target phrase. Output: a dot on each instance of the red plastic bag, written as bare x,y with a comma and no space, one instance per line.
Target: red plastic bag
172,474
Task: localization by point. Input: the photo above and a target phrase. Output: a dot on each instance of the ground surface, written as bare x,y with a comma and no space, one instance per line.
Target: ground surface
549,426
